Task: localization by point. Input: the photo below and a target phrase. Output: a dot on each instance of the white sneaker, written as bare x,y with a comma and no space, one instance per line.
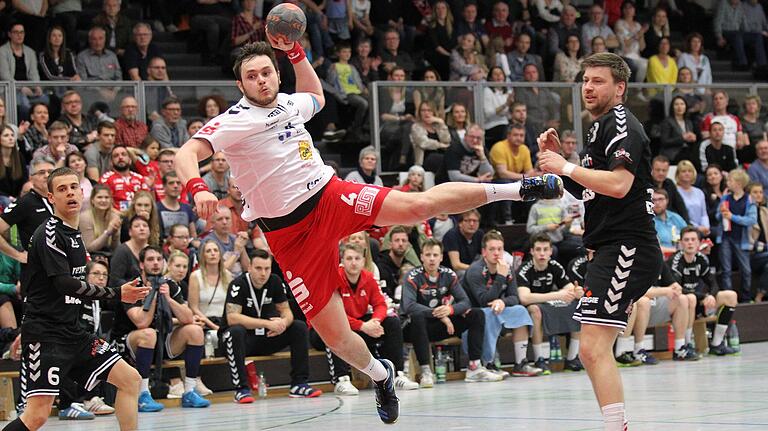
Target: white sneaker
481,374
345,387
201,389
176,391
427,380
403,382
98,407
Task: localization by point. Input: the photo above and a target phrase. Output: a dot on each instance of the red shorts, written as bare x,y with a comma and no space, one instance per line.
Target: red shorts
308,251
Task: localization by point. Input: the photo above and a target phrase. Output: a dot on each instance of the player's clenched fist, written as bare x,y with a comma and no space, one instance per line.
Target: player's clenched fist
205,203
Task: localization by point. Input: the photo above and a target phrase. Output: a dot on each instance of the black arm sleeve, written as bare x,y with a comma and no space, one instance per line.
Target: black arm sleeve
67,285
573,187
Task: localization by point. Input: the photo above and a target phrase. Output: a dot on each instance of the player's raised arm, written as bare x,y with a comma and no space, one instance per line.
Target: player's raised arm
306,78
186,166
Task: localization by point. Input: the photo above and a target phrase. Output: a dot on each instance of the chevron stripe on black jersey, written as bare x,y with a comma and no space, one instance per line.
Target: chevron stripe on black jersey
50,235
621,127
619,279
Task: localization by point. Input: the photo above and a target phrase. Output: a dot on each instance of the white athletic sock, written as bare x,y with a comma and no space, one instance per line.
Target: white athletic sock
623,345
502,192
521,351
679,343
426,370
613,417
375,370
688,335
537,351
573,349
189,384
717,338
545,350
144,385
638,348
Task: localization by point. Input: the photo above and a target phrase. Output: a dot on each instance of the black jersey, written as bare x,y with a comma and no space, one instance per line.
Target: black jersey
124,325
256,303
550,279
28,213
618,139
55,249
695,277
577,269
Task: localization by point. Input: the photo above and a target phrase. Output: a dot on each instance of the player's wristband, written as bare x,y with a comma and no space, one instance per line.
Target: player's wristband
568,169
196,185
296,54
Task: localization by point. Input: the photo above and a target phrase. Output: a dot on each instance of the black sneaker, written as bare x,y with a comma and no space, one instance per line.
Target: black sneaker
573,364
547,186
387,403
685,354
692,349
647,358
543,365
722,350
496,370
627,359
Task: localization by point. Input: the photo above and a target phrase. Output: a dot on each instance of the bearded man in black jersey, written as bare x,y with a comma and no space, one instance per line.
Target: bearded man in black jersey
54,344
615,182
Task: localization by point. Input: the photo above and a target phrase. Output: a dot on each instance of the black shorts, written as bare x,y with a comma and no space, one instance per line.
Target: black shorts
617,276
44,364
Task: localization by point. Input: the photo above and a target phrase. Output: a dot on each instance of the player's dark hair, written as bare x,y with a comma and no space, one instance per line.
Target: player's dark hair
260,253
431,242
540,237
492,235
250,50
105,125
688,229
397,229
619,68
59,172
145,250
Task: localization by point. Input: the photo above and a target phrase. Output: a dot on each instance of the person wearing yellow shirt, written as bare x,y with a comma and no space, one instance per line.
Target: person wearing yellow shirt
662,68
511,159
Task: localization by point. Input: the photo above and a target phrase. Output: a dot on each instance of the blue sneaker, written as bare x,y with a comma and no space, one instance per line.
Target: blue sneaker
547,186
387,403
76,412
193,400
303,390
646,358
147,404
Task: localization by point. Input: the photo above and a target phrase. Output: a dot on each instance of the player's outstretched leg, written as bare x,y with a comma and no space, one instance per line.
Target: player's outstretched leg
332,326
127,380
455,198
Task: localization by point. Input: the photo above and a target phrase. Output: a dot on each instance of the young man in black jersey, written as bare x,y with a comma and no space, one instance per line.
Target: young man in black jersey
55,344
551,300
615,182
136,327
691,269
436,307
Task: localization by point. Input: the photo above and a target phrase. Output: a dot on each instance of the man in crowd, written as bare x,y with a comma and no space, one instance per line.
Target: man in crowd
391,262
58,144
96,62
543,105
99,156
217,179
360,293
232,245
130,130
714,150
165,159
234,202
692,270
392,56
465,159
138,53
136,328
259,321
511,159
597,27
123,182
519,115
490,285
551,300
462,244
567,27
82,127
659,172
521,57
436,307
732,131
171,210
170,130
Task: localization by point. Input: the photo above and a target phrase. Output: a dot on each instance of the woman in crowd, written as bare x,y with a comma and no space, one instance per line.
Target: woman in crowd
751,123
57,62
678,140
435,94
36,135
659,28
178,270
568,63
693,197
694,59
467,63
211,106
631,35
366,168
76,162
598,45
496,55
100,224
414,182
179,240
430,137
662,68
442,39
364,240
497,103
367,66
13,171
143,205
714,188
458,121
125,260
208,286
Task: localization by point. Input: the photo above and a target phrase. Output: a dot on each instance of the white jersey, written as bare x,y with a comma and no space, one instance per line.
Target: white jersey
270,153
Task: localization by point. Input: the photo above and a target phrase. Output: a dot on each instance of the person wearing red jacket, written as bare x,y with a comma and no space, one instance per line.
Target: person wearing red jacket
366,311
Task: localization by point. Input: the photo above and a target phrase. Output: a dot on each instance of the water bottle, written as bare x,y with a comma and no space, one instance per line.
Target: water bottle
262,385
733,336
440,365
497,360
555,353
209,347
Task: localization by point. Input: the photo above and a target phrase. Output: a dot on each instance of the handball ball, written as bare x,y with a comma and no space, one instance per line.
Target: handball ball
286,21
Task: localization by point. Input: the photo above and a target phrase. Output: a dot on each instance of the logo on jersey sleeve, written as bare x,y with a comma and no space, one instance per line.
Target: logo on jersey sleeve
592,134
209,129
623,155
364,204
305,150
